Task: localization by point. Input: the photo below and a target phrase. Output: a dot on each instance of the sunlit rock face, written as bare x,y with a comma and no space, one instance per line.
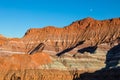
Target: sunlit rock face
88,30
86,45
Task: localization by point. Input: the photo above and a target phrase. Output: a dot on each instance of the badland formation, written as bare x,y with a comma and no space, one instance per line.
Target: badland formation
87,49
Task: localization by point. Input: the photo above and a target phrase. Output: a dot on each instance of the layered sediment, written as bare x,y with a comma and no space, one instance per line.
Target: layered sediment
86,45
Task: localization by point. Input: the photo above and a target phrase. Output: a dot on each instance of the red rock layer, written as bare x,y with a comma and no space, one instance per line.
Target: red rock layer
23,61
88,30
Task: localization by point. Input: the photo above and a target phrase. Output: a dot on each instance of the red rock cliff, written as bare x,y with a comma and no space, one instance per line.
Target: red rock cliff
89,30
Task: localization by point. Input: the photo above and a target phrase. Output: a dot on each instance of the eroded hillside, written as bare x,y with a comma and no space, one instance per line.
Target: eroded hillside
86,45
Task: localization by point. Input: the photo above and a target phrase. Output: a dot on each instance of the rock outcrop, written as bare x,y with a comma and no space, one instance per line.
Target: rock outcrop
23,61
87,30
84,46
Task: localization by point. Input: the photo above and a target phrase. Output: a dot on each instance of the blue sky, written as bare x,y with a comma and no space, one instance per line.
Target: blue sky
17,16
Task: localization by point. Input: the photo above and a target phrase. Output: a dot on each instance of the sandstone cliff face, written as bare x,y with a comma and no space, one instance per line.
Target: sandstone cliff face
85,46
11,46
87,30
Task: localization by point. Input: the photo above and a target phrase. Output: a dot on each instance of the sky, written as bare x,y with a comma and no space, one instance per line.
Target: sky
17,16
